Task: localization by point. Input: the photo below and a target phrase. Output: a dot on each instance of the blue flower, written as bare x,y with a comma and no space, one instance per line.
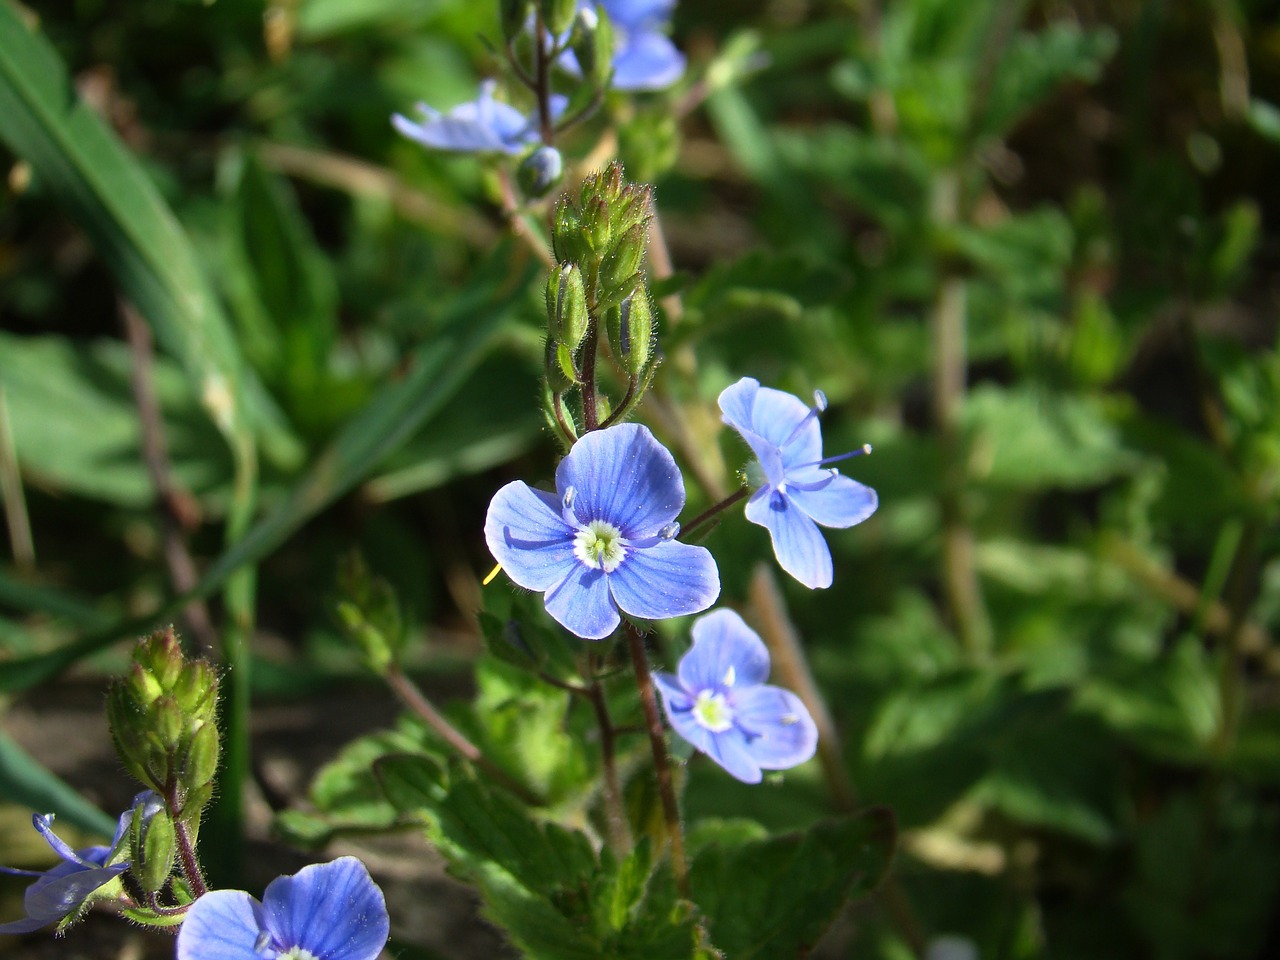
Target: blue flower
644,56
60,892
797,492
605,540
720,703
327,911
483,126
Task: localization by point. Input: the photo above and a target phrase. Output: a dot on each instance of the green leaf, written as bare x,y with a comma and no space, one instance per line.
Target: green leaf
1033,439
1035,64
436,371
75,422
24,781
773,899
85,167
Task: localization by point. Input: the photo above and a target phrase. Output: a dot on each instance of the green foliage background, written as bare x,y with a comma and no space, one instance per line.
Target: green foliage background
1026,248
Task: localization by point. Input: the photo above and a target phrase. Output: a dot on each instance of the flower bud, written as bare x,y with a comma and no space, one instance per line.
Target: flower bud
161,711
568,238
201,765
540,171
513,14
593,45
595,223
620,269
152,844
630,331
557,15
567,316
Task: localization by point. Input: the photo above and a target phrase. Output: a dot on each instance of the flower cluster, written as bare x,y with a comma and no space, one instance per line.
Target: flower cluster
643,58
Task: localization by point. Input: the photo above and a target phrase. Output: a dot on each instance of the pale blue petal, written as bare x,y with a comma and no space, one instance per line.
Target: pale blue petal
648,60
841,503
679,710
527,535
730,750
484,125
721,641
674,695
222,925
58,892
669,579
768,455
634,13
624,476
781,733
333,910
797,542
736,402
775,416
582,604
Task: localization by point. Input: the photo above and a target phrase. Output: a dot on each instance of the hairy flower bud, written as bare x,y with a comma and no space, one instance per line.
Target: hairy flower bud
620,269
567,306
630,330
568,238
162,716
152,843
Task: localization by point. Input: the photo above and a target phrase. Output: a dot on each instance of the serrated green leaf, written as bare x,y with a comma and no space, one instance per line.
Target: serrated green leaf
773,899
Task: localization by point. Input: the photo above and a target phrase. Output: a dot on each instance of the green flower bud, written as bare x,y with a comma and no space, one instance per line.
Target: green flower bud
593,45
558,381
596,227
513,15
153,845
567,306
200,767
540,171
630,331
620,269
557,15
568,238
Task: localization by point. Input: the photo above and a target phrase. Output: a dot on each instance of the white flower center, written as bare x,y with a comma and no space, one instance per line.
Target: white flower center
712,712
297,953
599,546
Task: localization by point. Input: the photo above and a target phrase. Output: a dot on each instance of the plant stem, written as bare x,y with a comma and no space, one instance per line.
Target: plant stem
661,761
959,571
615,814
413,698
716,508
15,504
187,857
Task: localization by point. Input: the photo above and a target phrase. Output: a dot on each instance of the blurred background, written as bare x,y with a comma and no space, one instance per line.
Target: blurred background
1026,247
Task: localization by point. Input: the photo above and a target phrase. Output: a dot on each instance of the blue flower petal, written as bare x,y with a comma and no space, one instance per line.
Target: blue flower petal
648,60
484,125
781,733
841,503
526,534
333,910
633,13
669,579
623,475
63,889
673,692
775,415
222,925
721,640
730,750
797,542
679,709
582,604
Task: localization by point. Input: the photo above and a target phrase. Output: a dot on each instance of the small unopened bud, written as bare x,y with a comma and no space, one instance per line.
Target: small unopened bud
567,317
513,14
620,269
593,45
557,15
152,846
540,171
568,236
630,331
595,223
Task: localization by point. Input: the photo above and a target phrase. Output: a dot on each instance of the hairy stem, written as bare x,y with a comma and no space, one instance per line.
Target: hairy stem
661,761
714,510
